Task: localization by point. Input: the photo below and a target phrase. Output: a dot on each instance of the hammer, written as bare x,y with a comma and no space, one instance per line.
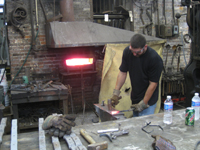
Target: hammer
93,145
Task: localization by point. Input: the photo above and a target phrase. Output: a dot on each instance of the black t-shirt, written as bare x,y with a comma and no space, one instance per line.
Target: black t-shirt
142,69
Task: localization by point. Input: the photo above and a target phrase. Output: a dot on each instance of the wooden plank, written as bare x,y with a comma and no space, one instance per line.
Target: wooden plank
38,99
65,106
18,94
56,143
13,144
2,127
42,141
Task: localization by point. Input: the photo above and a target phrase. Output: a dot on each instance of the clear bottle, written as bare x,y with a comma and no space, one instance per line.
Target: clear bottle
196,105
168,109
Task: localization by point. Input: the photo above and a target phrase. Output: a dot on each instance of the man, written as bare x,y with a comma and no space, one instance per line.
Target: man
144,66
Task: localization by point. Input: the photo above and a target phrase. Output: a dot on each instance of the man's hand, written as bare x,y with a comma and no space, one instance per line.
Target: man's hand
115,98
139,106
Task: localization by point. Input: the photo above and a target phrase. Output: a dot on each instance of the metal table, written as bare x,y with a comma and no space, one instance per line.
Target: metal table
183,137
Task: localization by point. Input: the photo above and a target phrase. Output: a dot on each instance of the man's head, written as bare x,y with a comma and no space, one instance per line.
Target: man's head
138,45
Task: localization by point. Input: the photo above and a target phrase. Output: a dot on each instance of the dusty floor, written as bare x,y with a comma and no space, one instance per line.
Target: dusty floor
88,118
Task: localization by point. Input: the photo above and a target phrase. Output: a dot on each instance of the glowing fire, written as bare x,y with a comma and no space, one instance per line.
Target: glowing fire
114,112
79,61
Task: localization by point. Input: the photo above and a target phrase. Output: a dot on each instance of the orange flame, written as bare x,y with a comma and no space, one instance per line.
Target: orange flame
114,112
79,61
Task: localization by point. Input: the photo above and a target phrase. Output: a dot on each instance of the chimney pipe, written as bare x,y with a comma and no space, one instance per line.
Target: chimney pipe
67,10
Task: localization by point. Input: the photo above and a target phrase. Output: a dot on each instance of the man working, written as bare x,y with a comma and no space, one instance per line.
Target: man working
144,66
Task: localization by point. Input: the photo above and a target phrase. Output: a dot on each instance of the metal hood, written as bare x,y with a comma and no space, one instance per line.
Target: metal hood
75,34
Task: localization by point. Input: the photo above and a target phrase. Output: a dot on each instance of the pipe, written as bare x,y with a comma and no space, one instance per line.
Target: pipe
45,15
173,11
32,25
164,12
132,23
67,10
36,13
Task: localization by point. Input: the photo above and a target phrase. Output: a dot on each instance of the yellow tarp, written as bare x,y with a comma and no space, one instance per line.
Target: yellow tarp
112,61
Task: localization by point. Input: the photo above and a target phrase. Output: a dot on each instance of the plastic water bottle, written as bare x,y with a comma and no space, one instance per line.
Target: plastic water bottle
196,105
168,109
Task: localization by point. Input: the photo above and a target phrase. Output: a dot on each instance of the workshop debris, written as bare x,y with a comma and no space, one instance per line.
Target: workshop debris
36,86
162,143
93,145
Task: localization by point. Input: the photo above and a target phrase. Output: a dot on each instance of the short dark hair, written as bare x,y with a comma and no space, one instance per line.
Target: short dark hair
138,41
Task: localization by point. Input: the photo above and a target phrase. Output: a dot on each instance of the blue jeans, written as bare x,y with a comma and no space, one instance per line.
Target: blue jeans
150,110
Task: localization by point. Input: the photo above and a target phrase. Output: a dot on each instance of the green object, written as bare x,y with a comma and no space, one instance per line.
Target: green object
25,78
189,116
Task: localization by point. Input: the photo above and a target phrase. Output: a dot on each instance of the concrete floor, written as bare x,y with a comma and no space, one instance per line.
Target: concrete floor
89,118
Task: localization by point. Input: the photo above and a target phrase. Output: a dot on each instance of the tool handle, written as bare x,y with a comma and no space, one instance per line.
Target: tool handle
87,136
99,146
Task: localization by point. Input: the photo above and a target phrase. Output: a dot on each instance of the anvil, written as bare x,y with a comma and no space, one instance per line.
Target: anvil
107,114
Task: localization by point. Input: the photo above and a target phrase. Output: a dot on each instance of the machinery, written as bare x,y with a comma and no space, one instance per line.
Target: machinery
192,70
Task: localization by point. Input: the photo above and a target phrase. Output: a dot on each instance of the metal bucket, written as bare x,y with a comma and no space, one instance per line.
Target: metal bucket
1,94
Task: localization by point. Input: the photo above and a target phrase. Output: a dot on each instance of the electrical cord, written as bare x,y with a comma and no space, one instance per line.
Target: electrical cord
24,60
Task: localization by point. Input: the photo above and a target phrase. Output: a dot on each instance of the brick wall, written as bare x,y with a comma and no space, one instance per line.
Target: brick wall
39,59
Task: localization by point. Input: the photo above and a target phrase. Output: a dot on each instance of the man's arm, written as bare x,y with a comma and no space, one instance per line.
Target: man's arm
149,92
120,80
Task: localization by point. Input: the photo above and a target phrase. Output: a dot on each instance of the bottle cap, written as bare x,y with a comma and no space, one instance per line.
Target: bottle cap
168,96
196,94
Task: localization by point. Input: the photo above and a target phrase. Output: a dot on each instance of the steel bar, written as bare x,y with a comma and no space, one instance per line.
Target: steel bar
42,141
14,143
83,98
2,127
56,143
111,16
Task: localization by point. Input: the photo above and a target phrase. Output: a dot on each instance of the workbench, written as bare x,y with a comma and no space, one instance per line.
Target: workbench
55,93
183,137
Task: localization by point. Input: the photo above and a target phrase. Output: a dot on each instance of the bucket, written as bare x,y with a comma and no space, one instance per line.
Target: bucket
1,94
